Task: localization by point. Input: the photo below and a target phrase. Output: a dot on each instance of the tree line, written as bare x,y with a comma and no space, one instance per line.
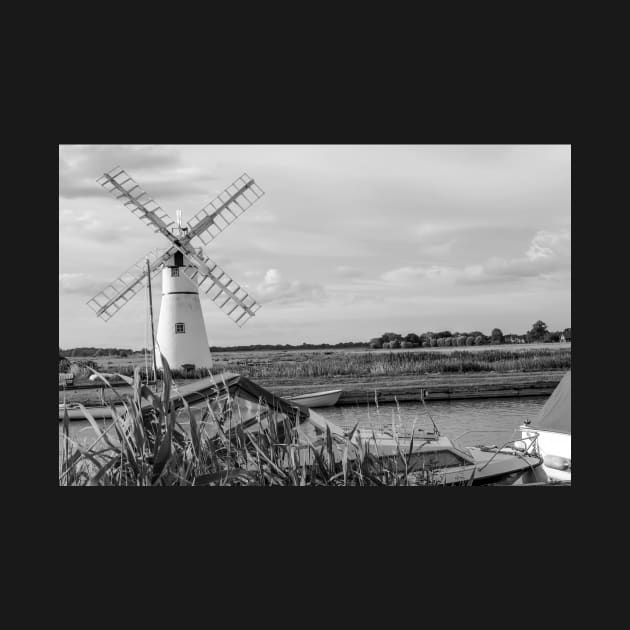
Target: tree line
99,352
286,346
539,332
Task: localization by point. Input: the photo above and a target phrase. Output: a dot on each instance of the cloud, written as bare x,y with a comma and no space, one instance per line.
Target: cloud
405,275
548,255
429,231
349,272
81,283
263,216
548,244
91,226
157,169
274,288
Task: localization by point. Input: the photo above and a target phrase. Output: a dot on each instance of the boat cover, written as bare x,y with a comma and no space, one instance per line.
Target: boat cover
556,412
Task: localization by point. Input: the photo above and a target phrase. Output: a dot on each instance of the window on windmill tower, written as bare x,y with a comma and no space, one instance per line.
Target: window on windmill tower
174,272
180,328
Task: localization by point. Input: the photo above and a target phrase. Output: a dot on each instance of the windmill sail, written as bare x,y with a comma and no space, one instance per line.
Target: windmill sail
225,292
115,295
122,186
210,221
213,218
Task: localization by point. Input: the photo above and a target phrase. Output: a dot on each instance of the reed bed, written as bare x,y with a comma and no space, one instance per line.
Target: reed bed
129,370
407,363
396,363
153,449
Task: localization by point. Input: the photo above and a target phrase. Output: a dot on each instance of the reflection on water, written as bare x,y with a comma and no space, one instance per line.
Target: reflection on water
492,419
496,418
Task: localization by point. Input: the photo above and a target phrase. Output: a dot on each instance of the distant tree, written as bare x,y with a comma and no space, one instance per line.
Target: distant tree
448,341
426,344
461,340
538,331
496,336
479,340
394,343
470,340
440,342
567,334
390,337
412,337
443,334
376,342
433,342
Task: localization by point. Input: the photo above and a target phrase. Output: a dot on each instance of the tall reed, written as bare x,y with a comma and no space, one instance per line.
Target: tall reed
149,446
406,363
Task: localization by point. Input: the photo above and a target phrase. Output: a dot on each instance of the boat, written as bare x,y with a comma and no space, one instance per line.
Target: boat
440,458
317,399
250,408
76,413
550,434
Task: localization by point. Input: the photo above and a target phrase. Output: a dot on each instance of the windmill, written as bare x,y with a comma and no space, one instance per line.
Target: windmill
181,335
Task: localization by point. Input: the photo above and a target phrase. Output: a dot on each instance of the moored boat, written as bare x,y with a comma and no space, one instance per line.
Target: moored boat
76,413
241,406
550,434
439,457
317,399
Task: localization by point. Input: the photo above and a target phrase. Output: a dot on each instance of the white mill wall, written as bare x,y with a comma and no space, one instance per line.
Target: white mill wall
181,305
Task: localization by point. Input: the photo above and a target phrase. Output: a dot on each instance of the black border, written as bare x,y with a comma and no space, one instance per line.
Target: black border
368,101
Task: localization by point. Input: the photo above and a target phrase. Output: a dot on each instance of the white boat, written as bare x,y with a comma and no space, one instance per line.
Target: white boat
445,461
318,399
75,412
550,433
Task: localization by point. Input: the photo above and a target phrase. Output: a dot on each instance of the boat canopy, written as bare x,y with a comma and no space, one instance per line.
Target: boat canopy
556,412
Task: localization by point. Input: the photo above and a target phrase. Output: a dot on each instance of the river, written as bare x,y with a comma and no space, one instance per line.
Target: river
493,420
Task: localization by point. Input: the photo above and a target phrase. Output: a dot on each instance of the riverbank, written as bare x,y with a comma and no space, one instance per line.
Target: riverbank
364,389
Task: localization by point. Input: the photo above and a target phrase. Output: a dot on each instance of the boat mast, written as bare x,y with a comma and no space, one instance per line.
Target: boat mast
152,329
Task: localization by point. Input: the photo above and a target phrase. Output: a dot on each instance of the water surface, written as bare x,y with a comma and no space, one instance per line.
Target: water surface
493,420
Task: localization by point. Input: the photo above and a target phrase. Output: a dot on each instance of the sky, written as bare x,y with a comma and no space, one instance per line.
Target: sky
348,242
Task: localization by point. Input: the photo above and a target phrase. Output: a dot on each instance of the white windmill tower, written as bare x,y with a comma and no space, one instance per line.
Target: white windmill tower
181,335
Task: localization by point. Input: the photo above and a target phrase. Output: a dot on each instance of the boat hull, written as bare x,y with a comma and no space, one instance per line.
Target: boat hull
319,399
98,413
554,447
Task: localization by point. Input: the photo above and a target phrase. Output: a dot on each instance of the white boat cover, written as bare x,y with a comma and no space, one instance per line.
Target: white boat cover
556,412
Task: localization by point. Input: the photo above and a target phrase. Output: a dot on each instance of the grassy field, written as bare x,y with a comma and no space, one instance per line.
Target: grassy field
330,363
395,374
